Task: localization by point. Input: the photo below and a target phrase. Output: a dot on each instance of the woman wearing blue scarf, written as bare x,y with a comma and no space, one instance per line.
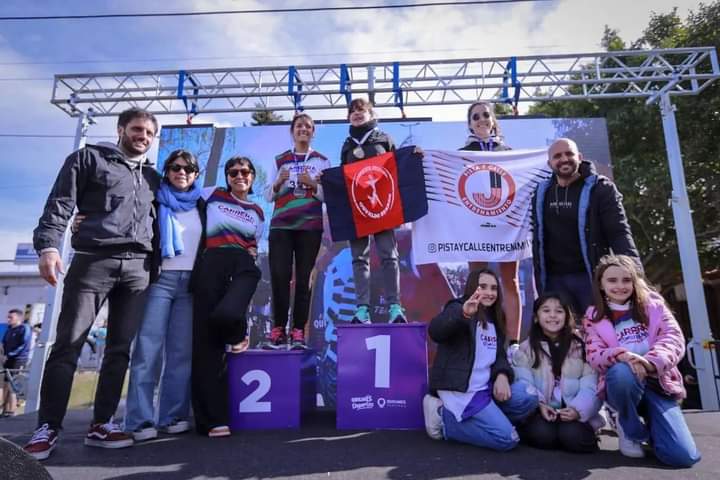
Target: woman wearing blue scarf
166,330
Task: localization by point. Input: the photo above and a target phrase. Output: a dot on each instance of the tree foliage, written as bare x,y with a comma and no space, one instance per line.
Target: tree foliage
638,147
264,116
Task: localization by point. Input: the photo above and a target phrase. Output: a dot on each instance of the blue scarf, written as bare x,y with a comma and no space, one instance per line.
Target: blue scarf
172,200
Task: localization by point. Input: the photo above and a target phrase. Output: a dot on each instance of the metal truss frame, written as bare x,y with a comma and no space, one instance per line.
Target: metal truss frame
621,74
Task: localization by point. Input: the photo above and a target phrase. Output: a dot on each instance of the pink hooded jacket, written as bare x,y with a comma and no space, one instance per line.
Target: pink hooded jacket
667,346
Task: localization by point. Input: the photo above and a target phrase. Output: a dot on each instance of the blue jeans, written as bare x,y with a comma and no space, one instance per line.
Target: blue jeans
664,423
492,427
166,332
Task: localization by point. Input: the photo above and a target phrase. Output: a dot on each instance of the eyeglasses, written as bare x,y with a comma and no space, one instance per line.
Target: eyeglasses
239,171
476,116
188,168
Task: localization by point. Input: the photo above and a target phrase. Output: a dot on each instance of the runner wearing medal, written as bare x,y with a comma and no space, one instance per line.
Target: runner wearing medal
365,141
485,135
295,231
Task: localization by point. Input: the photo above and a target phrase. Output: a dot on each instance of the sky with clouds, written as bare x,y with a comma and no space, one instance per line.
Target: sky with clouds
31,52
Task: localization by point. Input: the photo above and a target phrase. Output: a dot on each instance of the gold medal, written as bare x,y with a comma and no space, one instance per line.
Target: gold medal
359,152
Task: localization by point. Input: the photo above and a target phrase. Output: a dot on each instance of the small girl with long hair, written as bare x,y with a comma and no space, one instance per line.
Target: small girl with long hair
478,402
552,363
635,343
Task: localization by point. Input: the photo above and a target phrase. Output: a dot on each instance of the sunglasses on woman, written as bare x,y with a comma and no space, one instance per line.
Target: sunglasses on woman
239,171
176,168
476,116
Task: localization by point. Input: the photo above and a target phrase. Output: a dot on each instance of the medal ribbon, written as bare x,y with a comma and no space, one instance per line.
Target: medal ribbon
364,138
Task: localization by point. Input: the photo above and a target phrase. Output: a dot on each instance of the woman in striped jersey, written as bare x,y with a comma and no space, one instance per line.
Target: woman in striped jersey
223,283
295,230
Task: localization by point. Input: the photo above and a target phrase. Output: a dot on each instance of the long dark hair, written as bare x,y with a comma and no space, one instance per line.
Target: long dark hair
494,312
641,290
560,347
241,161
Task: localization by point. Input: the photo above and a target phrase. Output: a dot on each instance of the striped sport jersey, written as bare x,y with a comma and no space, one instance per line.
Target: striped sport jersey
297,208
232,223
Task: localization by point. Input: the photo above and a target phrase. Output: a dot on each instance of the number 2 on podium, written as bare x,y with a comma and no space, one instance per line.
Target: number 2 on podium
381,345
252,403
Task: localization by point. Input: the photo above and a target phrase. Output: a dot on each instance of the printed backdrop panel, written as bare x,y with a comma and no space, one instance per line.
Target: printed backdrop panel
424,287
490,191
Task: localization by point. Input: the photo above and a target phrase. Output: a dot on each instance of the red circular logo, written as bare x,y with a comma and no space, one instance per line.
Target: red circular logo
373,191
486,189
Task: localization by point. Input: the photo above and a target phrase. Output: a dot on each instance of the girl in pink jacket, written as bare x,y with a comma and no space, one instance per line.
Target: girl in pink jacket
635,344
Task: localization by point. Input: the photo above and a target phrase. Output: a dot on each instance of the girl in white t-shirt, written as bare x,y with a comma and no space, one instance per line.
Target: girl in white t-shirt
478,402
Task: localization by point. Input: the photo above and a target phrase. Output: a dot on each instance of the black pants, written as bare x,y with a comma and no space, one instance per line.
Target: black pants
91,281
577,437
303,245
223,286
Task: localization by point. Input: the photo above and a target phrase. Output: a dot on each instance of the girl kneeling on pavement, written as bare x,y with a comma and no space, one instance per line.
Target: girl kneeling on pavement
478,402
552,363
635,343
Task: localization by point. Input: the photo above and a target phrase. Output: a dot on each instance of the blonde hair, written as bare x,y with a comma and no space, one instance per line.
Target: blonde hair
641,293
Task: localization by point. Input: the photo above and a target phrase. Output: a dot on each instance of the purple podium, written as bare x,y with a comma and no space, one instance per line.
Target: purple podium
381,376
270,389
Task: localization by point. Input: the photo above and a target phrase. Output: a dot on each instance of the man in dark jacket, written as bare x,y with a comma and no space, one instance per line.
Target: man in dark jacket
113,187
16,347
577,218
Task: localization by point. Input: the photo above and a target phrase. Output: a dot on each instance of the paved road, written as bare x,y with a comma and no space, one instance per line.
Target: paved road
319,451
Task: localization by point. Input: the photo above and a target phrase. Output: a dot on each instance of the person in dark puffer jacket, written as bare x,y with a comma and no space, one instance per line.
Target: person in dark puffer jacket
577,218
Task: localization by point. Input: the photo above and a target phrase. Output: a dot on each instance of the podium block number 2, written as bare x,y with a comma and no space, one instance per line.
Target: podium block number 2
381,345
252,403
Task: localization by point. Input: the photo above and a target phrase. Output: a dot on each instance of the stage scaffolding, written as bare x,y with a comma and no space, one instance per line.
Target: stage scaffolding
622,74
655,75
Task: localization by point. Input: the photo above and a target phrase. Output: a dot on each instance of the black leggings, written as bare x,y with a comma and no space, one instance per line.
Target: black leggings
224,284
574,436
303,245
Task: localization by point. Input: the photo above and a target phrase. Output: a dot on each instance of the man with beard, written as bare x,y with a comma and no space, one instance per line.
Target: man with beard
113,187
577,218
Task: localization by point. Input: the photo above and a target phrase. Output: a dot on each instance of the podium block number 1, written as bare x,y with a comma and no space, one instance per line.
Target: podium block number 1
381,345
252,403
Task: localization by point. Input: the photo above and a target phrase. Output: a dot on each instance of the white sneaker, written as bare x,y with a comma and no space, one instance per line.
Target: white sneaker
629,448
176,426
433,420
146,431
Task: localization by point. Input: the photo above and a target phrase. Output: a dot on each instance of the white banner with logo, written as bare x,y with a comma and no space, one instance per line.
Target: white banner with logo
479,205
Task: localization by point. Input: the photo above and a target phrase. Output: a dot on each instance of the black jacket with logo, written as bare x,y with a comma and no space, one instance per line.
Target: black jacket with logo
455,336
377,143
115,198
